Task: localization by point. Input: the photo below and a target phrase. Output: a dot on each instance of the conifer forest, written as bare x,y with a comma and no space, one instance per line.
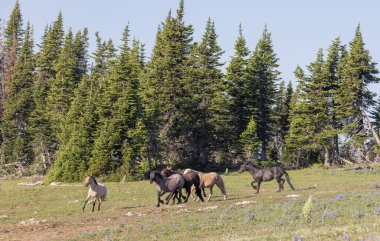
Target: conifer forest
115,112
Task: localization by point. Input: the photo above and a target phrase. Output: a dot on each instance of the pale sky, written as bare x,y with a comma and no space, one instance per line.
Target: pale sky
299,27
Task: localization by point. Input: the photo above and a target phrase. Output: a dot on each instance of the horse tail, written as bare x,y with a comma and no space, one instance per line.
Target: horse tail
198,191
220,184
288,180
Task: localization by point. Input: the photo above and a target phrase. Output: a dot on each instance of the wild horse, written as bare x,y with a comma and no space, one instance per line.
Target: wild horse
265,175
191,178
172,184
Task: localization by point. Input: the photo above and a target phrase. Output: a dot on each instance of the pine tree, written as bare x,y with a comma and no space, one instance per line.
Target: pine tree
12,41
250,141
262,75
13,31
42,141
77,136
331,88
357,71
237,88
297,149
164,86
80,46
19,105
62,88
281,120
211,119
119,114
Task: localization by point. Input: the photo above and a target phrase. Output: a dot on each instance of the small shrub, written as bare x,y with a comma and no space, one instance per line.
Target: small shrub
307,209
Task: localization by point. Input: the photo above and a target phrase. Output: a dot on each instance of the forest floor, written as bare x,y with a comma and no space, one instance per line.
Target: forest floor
346,206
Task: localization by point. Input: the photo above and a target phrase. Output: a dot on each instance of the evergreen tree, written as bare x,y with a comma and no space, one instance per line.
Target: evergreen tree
62,87
211,122
12,41
42,141
19,105
357,71
13,31
250,141
237,88
331,88
281,120
77,136
80,46
164,86
262,75
119,114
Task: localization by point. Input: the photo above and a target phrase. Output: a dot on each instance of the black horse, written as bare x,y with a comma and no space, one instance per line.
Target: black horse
265,175
191,178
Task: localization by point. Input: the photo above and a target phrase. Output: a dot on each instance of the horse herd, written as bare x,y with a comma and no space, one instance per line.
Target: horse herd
172,182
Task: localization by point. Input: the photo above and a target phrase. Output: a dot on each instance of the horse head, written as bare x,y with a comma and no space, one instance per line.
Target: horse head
88,179
243,168
153,176
168,171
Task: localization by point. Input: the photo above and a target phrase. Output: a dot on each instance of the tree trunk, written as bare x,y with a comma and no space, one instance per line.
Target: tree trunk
327,157
263,156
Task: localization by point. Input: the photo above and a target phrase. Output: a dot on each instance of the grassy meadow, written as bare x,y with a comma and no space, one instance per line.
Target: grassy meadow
345,206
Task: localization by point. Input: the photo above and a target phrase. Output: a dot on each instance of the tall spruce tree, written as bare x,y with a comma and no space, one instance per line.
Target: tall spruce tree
237,89
331,88
19,105
43,141
281,120
164,86
77,136
62,88
357,71
211,122
119,114
13,34
262,75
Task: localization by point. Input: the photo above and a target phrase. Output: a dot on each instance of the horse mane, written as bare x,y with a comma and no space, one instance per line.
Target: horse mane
158,174
93,178
252,165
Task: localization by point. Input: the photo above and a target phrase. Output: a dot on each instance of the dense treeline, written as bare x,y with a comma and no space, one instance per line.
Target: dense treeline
65,112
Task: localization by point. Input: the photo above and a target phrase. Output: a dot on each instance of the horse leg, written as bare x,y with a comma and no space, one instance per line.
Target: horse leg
253,186
85,202
159,199
93,205
258,187
181,196
100,201
279,184
198,191
282,183
210,194
170,196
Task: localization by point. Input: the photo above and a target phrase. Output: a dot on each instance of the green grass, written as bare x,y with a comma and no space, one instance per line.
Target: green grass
346,203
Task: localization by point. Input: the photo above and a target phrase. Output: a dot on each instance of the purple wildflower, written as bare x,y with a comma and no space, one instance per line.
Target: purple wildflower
329,214
377,210
347,237
340,197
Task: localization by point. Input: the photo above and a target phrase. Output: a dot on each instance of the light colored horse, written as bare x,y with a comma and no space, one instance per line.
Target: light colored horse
172,184
96,192
208,180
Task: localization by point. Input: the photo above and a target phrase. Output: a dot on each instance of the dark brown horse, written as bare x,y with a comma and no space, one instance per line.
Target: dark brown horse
265,175
191,178
172,184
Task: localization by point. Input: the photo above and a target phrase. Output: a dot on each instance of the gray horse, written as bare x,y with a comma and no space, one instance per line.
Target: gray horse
164,184
265,175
